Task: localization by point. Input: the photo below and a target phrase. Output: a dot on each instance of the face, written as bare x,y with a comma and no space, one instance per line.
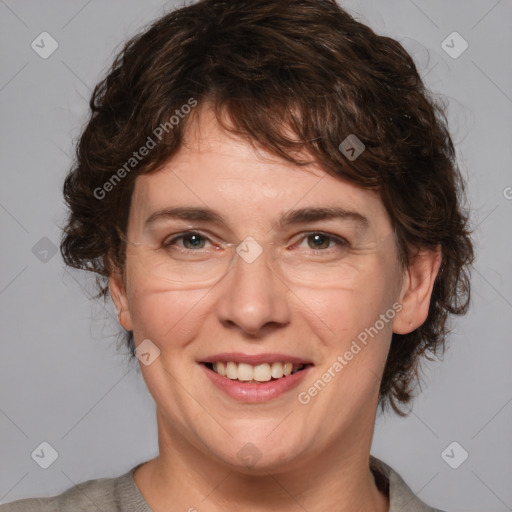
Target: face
319,295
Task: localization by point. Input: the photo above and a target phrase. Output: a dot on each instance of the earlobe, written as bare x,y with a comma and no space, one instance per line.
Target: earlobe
118,294
417,290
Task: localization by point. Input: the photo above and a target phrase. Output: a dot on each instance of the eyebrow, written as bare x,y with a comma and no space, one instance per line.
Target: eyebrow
292,217
305,215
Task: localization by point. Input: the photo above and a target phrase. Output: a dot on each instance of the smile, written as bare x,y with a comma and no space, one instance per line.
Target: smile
255,378
244,372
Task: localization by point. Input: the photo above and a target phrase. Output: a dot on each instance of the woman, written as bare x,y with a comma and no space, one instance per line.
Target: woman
271,199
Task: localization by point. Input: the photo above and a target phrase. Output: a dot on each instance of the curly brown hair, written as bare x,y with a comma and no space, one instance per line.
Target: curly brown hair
292,75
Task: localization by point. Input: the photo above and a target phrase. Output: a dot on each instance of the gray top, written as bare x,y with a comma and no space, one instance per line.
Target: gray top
120,494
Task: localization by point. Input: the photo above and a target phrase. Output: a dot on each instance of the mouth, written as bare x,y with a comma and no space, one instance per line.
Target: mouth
255,374
255,378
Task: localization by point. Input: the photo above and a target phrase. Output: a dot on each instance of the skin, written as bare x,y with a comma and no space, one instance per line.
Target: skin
313,456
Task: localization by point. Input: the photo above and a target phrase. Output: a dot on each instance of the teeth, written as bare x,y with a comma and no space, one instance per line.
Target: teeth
245,371
231,370
277,370
260,373
220,368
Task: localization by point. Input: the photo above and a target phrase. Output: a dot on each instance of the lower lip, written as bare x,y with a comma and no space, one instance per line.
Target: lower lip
249,392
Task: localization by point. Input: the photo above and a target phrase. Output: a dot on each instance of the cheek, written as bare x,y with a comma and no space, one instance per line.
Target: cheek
343,320
356,303
168,318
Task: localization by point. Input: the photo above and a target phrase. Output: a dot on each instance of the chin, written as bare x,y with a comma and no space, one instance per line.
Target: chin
261,456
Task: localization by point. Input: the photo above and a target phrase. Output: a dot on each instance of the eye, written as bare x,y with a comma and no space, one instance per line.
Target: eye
319,241
190,241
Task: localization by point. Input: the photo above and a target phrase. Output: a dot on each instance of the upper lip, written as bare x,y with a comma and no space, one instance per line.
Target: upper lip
255,359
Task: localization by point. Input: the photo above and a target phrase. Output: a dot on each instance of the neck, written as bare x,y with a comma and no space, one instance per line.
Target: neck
338,479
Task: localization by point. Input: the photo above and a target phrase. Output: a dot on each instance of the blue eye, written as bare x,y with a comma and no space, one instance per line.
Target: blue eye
190,240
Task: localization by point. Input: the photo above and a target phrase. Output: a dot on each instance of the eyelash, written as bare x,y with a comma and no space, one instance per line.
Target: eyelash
341,242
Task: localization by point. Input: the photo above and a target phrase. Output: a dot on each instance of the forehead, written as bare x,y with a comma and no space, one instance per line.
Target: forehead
246,184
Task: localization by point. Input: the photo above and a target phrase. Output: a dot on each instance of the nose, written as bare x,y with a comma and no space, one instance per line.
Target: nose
254,298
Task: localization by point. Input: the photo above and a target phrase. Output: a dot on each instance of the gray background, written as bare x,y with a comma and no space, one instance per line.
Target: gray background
62,380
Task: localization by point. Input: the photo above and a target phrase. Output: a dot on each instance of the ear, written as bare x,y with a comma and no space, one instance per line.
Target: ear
118,294
416,290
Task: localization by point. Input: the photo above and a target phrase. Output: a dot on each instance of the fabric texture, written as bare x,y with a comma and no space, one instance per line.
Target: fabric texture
120,494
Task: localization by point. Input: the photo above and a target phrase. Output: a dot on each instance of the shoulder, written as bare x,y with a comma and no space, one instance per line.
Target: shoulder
401,497
105,494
